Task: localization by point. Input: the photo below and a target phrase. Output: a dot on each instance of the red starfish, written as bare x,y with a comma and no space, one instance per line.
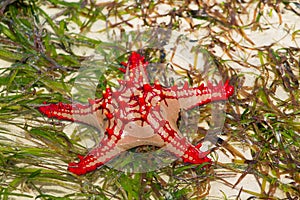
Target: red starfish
138,113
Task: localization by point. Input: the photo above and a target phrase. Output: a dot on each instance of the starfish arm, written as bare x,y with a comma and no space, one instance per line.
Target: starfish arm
135,70
192,97
195,156
175,142
181,147
64,111
104,152
83,113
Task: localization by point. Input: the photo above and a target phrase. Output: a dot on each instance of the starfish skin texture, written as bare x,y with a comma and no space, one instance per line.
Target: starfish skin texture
138,113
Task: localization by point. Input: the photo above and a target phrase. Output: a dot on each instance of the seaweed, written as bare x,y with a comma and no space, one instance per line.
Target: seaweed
39,42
